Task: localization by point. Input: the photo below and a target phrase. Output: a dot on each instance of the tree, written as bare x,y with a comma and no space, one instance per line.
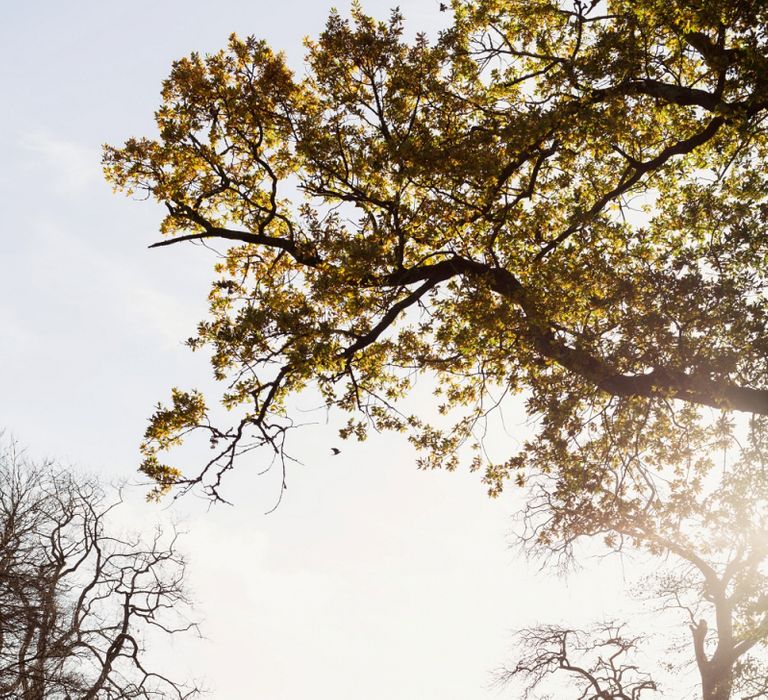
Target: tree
77,603
704,523
594,664
563,200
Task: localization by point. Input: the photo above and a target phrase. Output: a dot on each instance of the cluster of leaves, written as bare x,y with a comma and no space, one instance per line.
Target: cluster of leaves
469,208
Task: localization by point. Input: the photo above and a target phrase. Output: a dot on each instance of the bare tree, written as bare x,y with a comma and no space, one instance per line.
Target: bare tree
725,603
704,524
78,604
595,664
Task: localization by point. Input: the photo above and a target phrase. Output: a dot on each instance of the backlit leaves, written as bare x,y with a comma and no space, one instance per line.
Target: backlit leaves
555,199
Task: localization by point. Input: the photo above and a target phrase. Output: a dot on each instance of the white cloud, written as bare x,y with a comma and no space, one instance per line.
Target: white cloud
70,167
124,289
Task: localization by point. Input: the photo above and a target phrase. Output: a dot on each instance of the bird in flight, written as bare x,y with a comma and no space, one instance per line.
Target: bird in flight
335,451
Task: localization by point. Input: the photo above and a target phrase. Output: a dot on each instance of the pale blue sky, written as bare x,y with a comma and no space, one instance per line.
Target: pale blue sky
372,579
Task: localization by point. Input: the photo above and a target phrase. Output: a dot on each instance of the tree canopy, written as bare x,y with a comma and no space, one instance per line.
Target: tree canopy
563,200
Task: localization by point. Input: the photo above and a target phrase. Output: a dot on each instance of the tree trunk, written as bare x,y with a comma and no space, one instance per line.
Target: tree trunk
717,683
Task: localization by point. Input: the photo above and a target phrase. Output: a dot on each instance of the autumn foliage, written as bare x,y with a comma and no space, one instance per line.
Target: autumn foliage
563,201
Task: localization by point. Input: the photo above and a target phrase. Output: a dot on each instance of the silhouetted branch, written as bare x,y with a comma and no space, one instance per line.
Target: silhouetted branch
77,602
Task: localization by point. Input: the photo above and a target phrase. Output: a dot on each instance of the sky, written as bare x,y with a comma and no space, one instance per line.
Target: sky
372,578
